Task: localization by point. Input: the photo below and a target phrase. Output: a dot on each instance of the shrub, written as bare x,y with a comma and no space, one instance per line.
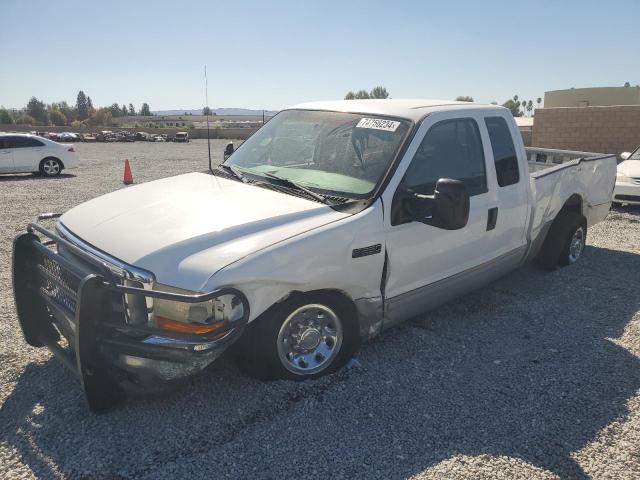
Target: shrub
57,117
25,119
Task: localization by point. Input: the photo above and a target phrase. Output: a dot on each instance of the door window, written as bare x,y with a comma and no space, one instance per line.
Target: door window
450,149
504,152
22,142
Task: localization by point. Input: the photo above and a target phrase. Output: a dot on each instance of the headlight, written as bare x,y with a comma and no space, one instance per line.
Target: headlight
621,177
199,318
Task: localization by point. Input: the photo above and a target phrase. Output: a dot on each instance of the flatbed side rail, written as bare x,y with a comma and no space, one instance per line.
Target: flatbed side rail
565,165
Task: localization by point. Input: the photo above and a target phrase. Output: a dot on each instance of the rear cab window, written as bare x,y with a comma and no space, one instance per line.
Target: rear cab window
504,151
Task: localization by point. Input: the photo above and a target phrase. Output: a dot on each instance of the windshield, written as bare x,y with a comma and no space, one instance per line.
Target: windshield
341,153
635,155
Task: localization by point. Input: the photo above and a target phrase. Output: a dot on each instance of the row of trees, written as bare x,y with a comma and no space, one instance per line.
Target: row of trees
83,113
521,108
518,107
376,92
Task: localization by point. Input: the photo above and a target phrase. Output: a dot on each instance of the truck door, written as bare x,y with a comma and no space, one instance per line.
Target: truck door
6,157
427,265
510,213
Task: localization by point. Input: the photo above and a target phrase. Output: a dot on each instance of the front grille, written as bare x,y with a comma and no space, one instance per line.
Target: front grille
58,283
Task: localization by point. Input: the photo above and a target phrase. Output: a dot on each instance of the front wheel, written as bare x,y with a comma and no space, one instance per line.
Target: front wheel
50,167
305,337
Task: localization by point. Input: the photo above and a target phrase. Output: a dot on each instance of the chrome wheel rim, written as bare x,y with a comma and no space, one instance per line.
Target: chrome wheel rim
51,167
309,339
576,246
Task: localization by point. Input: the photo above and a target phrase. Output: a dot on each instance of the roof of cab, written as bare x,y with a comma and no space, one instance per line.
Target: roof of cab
414,109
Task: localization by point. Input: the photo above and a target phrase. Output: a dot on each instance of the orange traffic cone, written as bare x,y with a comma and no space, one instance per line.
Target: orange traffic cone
128,178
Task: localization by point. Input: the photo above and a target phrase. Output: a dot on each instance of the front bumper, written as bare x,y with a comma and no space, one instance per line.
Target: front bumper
58,299
627,193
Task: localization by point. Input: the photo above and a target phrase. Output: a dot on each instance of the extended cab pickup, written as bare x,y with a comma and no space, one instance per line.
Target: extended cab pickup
332,222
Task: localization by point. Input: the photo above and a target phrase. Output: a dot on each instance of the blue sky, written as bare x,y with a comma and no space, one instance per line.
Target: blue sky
271,54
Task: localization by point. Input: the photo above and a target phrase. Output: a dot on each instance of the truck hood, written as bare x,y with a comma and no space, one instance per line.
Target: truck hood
630,168
186,228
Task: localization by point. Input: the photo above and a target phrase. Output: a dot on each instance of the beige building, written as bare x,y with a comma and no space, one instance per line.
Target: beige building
592,97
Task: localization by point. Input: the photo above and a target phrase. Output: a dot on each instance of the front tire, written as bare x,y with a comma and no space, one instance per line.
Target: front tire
565,241
304,337
50,167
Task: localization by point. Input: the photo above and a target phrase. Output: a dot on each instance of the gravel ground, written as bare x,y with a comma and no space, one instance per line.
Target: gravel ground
535,376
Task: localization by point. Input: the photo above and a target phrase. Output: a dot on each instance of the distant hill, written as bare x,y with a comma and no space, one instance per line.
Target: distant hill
218,111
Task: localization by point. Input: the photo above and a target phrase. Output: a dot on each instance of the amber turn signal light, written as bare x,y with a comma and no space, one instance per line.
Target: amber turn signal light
197,328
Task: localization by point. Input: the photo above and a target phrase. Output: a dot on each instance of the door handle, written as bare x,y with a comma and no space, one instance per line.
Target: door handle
492,218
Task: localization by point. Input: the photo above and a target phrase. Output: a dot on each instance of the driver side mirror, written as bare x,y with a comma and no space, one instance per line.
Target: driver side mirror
447,208
228,151
625,155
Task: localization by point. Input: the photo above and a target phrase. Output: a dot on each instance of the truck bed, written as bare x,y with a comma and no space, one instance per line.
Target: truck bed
556,175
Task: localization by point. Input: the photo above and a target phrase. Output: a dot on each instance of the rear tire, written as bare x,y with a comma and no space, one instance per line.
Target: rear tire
50,167
565,241
304,337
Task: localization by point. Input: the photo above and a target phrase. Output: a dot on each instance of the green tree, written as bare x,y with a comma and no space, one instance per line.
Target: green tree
350,96
627,84
464,98
206,111
132,110
529,107
101,116
25,119
57,117
144,110
362,95
5,118
539,101
115,110
379,92
68,111
513,104
123,110
82,106
37,110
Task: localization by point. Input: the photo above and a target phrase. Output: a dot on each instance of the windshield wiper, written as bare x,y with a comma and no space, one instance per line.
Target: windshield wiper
233,171
297,186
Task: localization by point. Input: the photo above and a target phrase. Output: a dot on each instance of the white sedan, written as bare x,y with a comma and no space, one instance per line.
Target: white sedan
23,153
627,188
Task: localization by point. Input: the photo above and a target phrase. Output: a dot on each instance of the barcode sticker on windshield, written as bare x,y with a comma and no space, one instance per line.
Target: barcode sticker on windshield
378,124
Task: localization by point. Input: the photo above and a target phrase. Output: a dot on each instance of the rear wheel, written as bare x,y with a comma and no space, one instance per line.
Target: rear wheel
305,337
565,241
50,167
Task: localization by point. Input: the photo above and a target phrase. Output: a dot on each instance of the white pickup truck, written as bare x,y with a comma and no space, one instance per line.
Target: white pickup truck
334,221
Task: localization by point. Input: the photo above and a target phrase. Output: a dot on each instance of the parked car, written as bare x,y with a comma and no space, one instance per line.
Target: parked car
22,153
142,136
157,138
68,137
627,189
88,137
371,213
181,137
105,136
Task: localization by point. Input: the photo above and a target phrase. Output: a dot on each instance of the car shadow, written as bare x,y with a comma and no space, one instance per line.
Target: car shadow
529,368
20,177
